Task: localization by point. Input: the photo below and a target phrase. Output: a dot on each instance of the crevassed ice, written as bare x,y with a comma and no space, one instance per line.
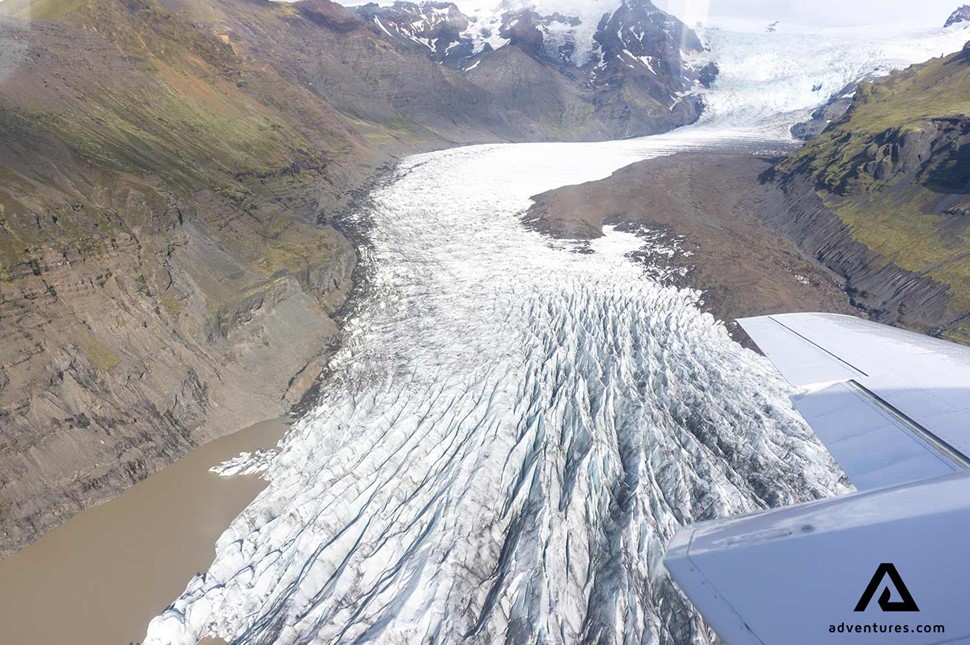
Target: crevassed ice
771,78
513,429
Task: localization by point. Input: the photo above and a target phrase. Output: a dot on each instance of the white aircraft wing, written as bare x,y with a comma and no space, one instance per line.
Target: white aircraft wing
888,563
890,405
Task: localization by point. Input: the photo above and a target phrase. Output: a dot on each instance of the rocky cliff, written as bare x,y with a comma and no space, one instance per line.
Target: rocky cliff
163,276
882,196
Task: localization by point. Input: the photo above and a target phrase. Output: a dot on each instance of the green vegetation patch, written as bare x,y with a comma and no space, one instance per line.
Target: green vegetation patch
96,353
897,214
170,301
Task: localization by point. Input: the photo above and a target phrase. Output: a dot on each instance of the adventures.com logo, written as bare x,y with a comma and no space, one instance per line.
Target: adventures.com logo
895,597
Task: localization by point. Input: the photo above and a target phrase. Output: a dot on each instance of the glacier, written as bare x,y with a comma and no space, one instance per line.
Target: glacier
514,426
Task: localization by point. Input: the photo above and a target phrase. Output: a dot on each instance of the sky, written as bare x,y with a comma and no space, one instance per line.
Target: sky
815,13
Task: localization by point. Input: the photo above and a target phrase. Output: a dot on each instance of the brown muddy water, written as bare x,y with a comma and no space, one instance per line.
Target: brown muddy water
99,578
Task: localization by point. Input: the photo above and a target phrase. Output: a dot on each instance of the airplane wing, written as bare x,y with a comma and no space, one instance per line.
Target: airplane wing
890,562
887,403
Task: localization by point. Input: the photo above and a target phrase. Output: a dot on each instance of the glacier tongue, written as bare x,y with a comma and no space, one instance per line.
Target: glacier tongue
512,432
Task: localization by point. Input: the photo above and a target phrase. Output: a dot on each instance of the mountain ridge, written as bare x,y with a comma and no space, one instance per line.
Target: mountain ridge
962,14
639,71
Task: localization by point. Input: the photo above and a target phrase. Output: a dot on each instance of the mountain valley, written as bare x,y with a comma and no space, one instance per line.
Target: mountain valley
171,265
487,258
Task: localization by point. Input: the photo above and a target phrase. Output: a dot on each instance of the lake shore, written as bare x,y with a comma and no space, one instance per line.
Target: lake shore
102,576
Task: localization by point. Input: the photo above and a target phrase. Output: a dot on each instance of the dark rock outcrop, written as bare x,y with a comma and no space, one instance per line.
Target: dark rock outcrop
832,110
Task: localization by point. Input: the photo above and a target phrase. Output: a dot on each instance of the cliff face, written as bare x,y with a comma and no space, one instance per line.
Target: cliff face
883,194
887,292
163,276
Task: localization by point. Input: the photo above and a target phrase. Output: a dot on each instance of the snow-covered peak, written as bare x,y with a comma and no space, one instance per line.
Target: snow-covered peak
960,15
563,29
570,32
576,34
438,26
629,55
640,34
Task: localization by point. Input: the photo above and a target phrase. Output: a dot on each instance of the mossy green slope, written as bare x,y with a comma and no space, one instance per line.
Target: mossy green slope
122,109
895,169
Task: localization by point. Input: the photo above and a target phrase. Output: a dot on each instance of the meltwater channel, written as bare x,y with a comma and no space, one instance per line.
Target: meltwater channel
513,429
